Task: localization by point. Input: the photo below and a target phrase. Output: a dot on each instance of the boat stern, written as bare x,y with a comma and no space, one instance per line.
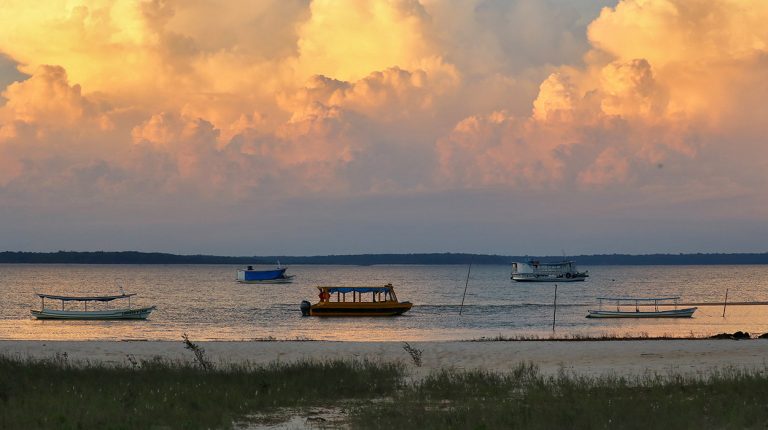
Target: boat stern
305,307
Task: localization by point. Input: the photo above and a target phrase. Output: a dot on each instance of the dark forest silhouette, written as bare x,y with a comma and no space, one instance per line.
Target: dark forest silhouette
135,257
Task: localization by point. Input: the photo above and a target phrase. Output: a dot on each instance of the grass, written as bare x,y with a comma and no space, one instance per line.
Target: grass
54,393
524,398
583,337
414,352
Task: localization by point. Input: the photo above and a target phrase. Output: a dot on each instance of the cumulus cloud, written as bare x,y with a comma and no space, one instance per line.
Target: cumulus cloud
656,87
388,95
46,97
43,117
198,95
352,41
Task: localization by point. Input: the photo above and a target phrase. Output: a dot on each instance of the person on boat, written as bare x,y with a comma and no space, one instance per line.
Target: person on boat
324,295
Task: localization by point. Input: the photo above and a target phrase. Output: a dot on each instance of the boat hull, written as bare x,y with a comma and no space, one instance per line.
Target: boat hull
673,313
110,314
285,280
276,276
359,309
517,278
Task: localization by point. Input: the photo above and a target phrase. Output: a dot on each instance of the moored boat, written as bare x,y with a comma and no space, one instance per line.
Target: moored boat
249,275
536,271
93,314
643,308
364,301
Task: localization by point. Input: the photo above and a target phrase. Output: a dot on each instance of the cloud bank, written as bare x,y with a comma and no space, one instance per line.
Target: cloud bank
137,106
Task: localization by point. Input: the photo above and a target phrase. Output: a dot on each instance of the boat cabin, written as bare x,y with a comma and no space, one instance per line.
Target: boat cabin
357,294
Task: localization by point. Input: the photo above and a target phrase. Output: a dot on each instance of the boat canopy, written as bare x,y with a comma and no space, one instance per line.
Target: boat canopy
638,299
85,298
345,290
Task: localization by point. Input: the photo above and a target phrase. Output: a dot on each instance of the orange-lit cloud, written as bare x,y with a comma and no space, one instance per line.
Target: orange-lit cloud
351,41
47,98
661,78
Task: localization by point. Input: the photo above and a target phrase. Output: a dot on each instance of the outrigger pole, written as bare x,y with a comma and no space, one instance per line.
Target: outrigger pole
554,314
461,308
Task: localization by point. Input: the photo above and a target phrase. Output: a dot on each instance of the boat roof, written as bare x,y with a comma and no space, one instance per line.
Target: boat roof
85,298
345,290
639,299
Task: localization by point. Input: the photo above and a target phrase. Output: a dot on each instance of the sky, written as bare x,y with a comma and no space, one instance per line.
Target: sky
298,127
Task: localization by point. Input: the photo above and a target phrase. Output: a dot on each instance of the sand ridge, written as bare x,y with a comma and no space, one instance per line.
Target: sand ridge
620,357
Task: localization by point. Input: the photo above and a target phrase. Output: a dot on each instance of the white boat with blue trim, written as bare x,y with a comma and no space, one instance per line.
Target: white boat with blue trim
645,307
537,271
128,313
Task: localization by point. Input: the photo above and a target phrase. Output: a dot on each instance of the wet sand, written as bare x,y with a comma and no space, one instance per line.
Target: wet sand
620,357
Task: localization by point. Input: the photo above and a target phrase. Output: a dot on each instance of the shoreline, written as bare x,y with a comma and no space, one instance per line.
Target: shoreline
583,357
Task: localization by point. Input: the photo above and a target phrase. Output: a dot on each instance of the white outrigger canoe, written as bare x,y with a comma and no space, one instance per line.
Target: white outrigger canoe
641,304
128,313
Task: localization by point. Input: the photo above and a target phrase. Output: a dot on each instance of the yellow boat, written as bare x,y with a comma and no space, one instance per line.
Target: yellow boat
363,302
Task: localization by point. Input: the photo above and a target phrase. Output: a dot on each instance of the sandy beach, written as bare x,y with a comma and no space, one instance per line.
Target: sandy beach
630,357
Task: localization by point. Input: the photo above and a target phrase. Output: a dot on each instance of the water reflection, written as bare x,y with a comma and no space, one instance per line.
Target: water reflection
205,302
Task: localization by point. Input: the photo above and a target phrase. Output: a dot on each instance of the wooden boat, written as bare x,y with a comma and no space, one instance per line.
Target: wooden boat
364,302
644,308
272,276
536,271
128,313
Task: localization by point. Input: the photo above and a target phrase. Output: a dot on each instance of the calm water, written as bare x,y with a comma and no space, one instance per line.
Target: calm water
205,302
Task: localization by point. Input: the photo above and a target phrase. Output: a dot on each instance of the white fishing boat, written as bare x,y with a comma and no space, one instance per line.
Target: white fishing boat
536,271
643,308
93,314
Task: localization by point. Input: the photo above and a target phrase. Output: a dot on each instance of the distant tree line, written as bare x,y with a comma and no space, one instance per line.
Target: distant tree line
135,257
671,259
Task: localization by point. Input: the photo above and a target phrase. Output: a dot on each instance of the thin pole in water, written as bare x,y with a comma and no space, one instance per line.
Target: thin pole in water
554,314
725,303
461,308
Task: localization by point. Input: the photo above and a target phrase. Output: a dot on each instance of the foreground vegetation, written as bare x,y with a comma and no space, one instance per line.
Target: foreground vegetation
160,394
524,398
